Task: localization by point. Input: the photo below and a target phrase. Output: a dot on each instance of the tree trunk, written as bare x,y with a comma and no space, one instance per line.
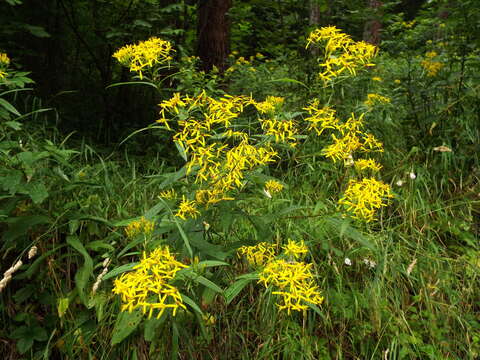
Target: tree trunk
373,27
213,33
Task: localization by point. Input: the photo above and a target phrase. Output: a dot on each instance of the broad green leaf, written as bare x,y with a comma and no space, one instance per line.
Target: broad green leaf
126,323
151,325
191,303
86,271
62,306
9,107
119,270
233,290
38,192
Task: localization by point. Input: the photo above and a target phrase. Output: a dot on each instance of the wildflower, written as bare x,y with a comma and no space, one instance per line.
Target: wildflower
273,186
341,53
349,161
187,209
431,54
270,104
295,249
149,286
168,194
397,81
412,176
363,164
258,255
32,252
376,78
209,319
399,183
363,197
294,283
348,262
321,118
141,226
370,263
432,67
7,275
283,131
373,99
4,60
342,147
145,54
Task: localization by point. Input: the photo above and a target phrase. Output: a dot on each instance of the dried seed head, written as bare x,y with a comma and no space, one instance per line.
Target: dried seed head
32,252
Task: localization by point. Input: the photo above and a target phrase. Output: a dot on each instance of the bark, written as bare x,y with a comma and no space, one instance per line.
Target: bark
373,27
213,33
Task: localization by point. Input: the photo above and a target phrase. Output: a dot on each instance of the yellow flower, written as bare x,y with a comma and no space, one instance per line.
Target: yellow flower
295,249
145,54
168,194
363,197
373,99
432,67
364,164
376,78
3,74
142,226
397,81
341,53
273,186
4,59
270,104
321,118
258,255
148,286
294,284
187,209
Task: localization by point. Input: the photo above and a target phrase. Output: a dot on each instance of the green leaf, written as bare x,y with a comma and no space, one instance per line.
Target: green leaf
24,344
9,107
62,306
233,290
86,271
151,325
38,192
126,323
211,263
119,270
191,303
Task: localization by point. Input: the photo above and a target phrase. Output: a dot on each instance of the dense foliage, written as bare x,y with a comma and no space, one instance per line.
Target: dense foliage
310,194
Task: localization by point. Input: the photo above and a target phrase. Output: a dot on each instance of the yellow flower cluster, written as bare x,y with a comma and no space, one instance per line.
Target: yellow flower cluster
148,286
273,186
4,62
363,197
295,283
351,138
373,99
187,209
281,130
258,255
364,164
341,52
168,194
4,59
321,118
142,226
296,250
293,280
203,125
270,104
431,66
145,54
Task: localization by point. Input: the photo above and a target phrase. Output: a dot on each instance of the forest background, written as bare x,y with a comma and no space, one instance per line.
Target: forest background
93,179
